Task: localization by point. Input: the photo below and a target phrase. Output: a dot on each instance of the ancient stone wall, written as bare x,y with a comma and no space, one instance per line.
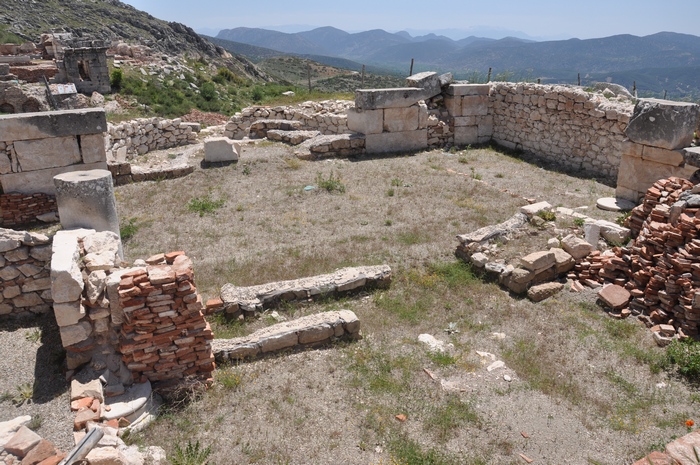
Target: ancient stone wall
328,117
25,285
34,147
140,136
25,209
564,125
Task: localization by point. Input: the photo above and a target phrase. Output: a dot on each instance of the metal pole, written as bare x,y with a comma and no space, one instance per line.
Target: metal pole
410,73
83,448
363,76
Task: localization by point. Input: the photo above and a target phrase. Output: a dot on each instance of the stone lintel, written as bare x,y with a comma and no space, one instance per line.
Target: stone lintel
460,90
372,99
28,126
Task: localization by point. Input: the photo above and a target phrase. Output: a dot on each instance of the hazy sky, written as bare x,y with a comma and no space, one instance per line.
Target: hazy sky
536,18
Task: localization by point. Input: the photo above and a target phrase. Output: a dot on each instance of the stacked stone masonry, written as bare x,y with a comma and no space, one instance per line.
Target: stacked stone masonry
34,147
164,335
140,136
25,284
563,125
328,117
25,209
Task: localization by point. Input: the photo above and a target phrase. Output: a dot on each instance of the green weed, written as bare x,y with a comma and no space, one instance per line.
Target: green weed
33,335
331,183
685,355
204,205
448,418
193,454
547,215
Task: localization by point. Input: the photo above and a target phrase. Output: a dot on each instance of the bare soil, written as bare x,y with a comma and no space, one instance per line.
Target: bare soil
577,387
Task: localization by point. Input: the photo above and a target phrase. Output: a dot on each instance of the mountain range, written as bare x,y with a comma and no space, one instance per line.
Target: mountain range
656,58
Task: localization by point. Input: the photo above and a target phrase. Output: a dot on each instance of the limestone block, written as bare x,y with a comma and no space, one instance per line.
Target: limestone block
422,115
663,123
543,291
576,247
396,141
563,260
453,106
533,209
315,334
664,156
538,261
638,175
279,342
458,121
31,299
591,232
74,334
429,81
475,105
68,313
221,149
47,153
631,149
66,278
41,181
92,148
613,232
365,121
691,156
106,456
466,135
22,442
28,126
468,89
401,119
372,99
686,449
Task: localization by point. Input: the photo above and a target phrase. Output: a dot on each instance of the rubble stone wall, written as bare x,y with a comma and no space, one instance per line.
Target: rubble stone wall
142,135
563,125
23,209
328,117
25,285
34,147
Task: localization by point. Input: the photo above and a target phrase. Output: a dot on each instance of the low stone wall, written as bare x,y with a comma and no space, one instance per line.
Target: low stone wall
25,284
25,209
327,117
35,147
124,173
308,331
566,126
140,136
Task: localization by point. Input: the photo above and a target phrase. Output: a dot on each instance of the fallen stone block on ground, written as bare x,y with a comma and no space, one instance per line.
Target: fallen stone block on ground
256,298
308,331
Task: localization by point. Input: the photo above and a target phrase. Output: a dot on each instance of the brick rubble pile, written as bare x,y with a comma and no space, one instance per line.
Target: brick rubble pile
164,335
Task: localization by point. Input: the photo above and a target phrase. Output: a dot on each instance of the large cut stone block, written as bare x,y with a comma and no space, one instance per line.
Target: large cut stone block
27,126
453,106
92,148
66,278
638,175
40,154
68,313
372,99
466,135
75,334
41,181
663,123
365,121
401,119
538,261
218,149
477,105
461,90
691,155
429,81
664,156
396,141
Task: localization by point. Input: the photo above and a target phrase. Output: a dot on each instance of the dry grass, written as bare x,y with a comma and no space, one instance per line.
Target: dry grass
586,389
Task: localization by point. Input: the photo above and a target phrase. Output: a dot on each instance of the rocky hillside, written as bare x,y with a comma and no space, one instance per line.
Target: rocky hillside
114,20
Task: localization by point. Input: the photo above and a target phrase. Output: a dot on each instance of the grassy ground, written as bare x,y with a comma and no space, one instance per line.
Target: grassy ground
584,388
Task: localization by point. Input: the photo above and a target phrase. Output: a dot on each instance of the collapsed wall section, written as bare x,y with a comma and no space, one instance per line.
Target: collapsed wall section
566,126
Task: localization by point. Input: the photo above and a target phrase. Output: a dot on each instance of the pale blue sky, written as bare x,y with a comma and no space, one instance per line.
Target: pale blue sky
543,19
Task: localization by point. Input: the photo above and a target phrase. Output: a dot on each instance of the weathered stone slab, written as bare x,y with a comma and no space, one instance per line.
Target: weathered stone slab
538,261
466,135
614,296
533,209
75,334
407,141
691,155
468,89
563,261
221,149
261,296
477,105
92,148
401,119
10,427
27,126
613,233
576,247
22,442
365,121
635,176
66,278
491,232
664,156
685,450
429,81
68,313
310,329
615,204
41,154
372,99
663,123
543,291
31,182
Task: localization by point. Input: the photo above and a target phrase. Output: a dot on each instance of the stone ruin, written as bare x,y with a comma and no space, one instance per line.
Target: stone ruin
84,64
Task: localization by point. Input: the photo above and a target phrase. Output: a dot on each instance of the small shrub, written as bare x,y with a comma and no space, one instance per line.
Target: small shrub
116,78
129,229
388,223
193,454
390,192
229,379
205,204
442,359
499,175
330,184
292,163
579,222
25,393
622,218
33,335
547,215
476,175
35,423
686,356
396,182
463,159
246,170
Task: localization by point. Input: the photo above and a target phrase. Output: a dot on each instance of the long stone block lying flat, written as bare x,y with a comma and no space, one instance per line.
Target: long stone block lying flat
460,90
47,153
396,141
429,81
255,298
372,99
27,126
310,330
31,182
